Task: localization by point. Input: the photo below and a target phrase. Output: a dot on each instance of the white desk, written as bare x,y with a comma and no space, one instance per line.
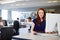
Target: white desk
37,37
58,26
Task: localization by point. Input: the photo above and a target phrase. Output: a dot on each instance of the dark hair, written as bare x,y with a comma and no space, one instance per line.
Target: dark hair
17,18
38,18
29,18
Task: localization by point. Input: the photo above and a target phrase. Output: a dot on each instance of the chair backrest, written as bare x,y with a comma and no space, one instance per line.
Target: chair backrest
6,33
5,22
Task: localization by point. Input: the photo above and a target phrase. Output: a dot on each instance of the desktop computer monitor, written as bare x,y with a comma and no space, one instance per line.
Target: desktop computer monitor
51,21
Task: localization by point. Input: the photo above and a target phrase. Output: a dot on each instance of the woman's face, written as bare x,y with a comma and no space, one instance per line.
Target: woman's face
41,13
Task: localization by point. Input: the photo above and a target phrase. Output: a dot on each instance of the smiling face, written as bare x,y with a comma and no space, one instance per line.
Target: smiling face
41,13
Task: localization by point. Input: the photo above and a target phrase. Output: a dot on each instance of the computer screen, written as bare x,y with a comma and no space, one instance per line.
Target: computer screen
51,20
22,20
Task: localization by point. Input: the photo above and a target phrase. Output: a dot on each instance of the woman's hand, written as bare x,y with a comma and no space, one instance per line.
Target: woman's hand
34,33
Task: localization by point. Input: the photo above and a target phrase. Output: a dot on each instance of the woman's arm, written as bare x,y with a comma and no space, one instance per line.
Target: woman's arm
32,28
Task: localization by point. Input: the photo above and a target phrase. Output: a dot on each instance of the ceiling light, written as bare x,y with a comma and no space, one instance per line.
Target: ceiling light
10,1
21,0
23,4
14,4
5,2
18,4
53,1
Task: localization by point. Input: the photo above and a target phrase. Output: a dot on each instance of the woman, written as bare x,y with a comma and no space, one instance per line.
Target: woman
38,24
1,22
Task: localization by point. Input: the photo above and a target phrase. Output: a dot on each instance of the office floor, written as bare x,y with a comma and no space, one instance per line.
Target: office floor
43,37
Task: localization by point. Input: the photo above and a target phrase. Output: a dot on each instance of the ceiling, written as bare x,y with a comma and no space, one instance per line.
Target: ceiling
16,4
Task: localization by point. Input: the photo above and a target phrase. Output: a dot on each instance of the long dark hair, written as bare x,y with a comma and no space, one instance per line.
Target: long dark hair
38,18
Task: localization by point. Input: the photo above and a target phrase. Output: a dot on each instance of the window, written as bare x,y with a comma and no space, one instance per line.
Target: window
20,15
15,15
4,14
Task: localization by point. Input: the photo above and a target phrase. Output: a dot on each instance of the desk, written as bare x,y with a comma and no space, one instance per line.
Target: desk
36,37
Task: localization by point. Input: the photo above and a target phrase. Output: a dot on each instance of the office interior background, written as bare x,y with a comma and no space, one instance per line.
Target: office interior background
22,9
10,10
